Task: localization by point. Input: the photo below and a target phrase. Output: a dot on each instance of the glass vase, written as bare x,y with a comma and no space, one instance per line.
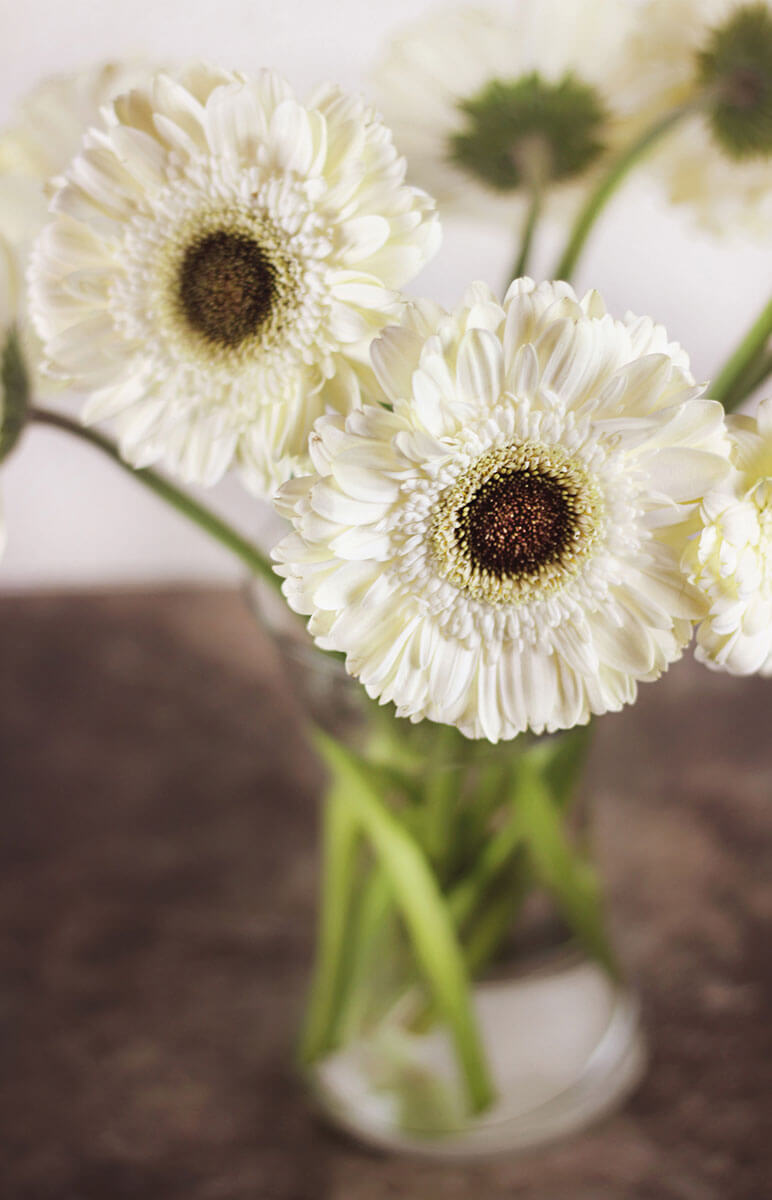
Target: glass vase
500,836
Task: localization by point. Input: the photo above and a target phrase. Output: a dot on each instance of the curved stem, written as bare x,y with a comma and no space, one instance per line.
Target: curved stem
741,373
600,196
526,238
184,503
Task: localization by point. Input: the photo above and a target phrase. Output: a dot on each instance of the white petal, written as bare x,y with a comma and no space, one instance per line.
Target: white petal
480,368
234,122
684,474
394,355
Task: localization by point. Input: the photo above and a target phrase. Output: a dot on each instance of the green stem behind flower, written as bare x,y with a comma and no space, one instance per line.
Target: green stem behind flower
611,181
533,213
441,796
748,366
757,374
184,503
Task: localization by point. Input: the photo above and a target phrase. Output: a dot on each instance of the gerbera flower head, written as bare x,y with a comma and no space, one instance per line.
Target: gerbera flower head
730,559
718,52
487,104
500,548
220,258
45,133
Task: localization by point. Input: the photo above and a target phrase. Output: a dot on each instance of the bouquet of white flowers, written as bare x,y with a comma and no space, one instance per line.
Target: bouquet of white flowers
498,519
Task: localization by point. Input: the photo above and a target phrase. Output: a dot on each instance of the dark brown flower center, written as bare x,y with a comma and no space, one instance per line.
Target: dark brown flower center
226,287
516,523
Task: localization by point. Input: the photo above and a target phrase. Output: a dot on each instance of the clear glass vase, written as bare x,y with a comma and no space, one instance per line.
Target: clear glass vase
558,1028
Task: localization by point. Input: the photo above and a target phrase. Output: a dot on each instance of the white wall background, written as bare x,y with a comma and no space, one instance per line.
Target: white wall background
73,518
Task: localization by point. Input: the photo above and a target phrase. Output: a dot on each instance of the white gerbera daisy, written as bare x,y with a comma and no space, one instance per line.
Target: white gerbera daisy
486,103
719,161
45,134
220,259
730,560
501,549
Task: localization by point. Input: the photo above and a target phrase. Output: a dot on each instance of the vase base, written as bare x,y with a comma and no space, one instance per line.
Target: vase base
565,1048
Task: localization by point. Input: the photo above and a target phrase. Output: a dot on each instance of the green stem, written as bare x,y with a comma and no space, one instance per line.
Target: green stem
496,854
560,763
441,795
532,216
496,921
749,380
619,169
755,377
418,898
484,903
489,929
728,387
339,841
184,503
372,923
566,874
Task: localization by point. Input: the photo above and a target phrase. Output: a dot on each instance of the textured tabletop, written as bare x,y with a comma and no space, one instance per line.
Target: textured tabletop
156,914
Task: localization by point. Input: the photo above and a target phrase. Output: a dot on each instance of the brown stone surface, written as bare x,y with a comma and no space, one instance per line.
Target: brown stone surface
156,911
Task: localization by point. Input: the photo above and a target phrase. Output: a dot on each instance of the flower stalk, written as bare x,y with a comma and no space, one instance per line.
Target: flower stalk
178,499
748,365
532,216
611,182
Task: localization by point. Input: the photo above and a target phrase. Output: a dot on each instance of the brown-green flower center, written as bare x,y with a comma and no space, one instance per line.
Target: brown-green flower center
226,287
516,523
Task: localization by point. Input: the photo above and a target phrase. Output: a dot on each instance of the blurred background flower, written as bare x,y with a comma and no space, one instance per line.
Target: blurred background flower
43,135
489,102
719,162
